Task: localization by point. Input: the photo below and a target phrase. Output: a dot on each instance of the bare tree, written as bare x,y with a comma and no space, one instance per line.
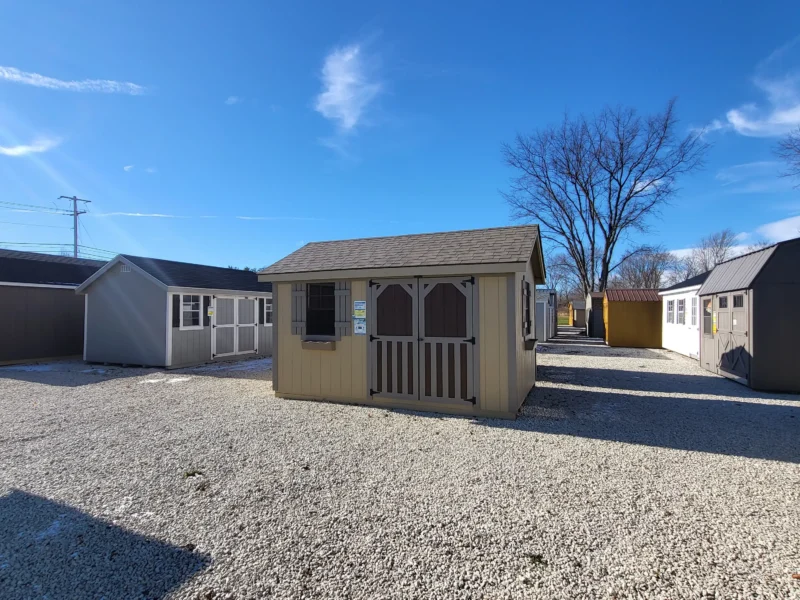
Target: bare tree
712,250
788,150
647,268
591,180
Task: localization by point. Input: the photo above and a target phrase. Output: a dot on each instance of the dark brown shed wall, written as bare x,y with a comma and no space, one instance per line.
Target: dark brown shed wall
40,323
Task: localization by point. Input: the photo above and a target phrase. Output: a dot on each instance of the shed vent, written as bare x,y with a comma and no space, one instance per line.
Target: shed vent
125,268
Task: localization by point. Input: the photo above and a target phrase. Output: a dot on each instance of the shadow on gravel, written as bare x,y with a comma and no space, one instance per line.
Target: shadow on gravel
51,550
748,429
648,381
556,347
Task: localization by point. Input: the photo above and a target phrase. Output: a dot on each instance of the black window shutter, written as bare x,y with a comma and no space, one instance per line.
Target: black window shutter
260,311
176,310
206,304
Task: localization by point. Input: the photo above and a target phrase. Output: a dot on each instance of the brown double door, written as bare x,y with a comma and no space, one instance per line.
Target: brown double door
422,341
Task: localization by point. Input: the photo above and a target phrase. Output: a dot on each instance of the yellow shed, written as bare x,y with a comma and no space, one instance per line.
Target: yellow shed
439,322
632,318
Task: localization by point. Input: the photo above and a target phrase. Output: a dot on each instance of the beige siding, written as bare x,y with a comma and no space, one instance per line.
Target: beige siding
493,332
337,375
525,359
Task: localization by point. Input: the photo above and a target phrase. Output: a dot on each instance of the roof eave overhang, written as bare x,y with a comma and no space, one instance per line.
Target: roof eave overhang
427,271
691,288
217,292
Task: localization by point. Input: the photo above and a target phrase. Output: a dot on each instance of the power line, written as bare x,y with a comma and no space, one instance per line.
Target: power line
48,209
35,225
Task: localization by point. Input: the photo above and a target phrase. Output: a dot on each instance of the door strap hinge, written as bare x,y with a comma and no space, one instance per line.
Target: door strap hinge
372,392
372,282
472,400
471,280
372,338
471,340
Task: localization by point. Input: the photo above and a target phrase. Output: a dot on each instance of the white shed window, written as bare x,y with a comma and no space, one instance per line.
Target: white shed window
694,312
268,311
681,312
670,311
191,317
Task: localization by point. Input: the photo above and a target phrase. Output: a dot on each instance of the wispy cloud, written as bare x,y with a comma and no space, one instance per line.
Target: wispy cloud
759,177
127,168
777,231
136,214
348,87
41,144
103,86
777,78
151,170
231,100
280,219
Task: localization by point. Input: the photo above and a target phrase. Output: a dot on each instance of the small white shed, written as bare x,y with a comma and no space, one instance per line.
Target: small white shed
680,331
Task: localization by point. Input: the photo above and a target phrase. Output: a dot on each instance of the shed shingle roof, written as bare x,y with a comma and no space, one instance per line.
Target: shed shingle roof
45,269
187,275
633,296
476,246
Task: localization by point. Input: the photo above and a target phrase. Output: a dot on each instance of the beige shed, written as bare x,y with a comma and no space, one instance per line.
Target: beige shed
438,322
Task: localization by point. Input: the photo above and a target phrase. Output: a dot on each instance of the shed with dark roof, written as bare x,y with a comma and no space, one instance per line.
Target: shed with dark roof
632,318
577,313
164,313
42,317
440,321
749,328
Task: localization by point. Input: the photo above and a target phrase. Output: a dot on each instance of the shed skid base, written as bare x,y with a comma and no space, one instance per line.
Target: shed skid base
467,411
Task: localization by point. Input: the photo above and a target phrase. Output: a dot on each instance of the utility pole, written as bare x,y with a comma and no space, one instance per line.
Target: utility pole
75,213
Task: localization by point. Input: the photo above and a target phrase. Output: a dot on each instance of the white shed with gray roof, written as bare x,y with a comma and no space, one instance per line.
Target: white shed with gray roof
162,313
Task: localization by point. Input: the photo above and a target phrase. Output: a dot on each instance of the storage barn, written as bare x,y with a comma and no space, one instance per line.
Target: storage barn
632,318
749,327
595,327
439,322
162,313
42,318
577,313
546,314
680,316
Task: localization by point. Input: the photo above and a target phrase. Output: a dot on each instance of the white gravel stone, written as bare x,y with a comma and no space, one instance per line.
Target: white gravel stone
629,474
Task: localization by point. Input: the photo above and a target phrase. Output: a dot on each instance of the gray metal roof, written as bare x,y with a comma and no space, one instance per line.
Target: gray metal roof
737,273
470,247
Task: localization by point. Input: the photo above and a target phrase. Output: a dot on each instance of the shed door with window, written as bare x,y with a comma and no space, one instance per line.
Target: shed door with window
422,343
732,335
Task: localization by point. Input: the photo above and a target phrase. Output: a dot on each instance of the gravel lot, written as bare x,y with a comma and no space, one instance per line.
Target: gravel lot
630,474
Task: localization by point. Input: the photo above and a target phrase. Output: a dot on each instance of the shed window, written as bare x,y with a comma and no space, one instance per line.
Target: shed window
681,312
738,301
191,311
723,302
694,312
707,317
268,311
321,309
670,311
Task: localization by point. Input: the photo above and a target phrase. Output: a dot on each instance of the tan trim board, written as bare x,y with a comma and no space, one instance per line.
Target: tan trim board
419,406
476,353
430,271
511,324
275,338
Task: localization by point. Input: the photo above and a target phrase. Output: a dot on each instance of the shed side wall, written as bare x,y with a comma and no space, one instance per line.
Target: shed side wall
776,329
684,339
494,345
40,323
126,320
525,365
340,374
634,324
190,346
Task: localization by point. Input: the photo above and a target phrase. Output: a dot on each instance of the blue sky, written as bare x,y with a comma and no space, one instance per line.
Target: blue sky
246,129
